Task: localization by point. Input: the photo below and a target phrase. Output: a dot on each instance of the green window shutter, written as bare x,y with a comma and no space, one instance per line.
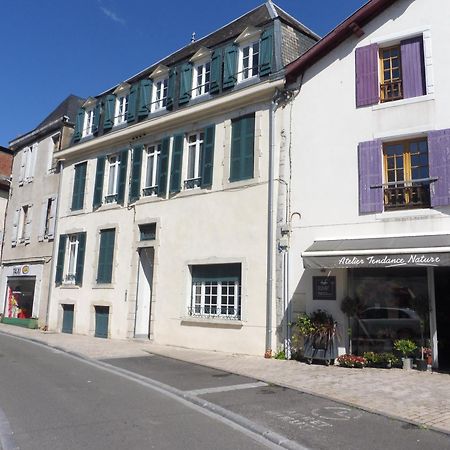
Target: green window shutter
208,157
80,259
105,257
132,102
216,72
79,184
96,122
163,167
229,67
145,95
136,166
266,55
242,148
123,157
78,125
98,186
185,84
60,261
177,160
110,105
171,88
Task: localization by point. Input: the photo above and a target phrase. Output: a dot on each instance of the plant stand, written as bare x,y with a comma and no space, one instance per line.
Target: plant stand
407,363
320,348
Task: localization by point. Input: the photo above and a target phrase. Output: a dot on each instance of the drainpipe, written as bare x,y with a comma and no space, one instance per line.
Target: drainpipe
270,240
55,247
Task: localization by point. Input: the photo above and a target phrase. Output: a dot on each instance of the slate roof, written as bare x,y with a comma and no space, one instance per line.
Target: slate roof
67,107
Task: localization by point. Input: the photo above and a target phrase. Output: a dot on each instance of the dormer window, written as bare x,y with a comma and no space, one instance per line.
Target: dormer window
88,122
201,79
159,100
249,54
120,115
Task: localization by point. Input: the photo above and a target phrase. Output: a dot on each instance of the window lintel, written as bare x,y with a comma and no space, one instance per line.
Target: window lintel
250,33
202,53
160,72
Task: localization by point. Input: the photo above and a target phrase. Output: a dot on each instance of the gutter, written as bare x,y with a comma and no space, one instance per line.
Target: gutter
351,26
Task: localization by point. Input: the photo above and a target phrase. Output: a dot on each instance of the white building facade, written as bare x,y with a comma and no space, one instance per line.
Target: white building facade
370,192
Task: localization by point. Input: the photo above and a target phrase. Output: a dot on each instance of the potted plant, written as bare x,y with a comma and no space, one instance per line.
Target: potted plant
406,347
317,332
352,361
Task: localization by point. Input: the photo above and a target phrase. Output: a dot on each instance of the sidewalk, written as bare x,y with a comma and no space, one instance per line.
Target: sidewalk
421,398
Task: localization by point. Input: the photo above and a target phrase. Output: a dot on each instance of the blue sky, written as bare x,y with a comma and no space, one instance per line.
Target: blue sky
51,49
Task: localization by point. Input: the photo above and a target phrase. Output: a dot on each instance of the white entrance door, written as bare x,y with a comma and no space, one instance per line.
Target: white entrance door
144,293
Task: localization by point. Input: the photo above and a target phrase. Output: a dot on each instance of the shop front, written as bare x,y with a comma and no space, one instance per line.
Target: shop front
399,288
21,303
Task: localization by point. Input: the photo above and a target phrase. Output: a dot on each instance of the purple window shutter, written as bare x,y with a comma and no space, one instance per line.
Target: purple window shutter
367,86
439,162
413,69
370,174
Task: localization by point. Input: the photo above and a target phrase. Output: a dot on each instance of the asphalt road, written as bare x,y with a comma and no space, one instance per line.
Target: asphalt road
50,400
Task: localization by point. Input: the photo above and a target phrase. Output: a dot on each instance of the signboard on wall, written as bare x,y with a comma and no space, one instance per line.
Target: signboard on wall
21,270
324,288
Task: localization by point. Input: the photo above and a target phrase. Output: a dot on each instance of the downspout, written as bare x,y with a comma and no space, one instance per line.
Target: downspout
270,240
55,247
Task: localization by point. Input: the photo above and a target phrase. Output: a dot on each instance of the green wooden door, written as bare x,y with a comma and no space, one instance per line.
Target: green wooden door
101,321
67,325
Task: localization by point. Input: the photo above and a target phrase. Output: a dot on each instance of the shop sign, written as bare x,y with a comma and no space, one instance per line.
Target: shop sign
21,270
394,260
324,288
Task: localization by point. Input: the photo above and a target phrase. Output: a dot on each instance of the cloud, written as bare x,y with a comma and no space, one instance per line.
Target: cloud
112,15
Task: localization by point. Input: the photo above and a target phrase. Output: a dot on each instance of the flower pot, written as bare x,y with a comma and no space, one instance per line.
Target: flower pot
421,364
407,363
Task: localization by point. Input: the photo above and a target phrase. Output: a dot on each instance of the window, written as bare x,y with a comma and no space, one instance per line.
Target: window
79,183
407,182
112,179
147,232
248,61
120,115
88,122
70,262
216,291
23,223
152,160
201,79
105,257
390,73
242,148
159,97
194,158
27,165
47,227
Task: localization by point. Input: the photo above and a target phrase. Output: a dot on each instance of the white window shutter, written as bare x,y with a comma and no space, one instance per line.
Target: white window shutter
52,218
43,221
33,161
27,233
23,163
15,227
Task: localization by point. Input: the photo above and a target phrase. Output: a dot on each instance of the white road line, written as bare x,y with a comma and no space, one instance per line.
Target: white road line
234,387
6,435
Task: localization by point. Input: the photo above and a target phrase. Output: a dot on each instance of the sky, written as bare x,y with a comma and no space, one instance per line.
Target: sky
50,49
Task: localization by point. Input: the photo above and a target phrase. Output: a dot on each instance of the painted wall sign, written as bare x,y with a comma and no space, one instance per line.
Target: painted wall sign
324,288
21,270
394,260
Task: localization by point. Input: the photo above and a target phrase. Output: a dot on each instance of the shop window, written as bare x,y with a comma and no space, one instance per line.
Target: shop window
393,304
20,295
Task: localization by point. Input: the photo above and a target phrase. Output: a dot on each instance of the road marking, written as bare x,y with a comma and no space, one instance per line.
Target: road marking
6,435
336,413
234,387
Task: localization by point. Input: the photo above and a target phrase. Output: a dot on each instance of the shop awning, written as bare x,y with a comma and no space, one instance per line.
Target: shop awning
403,251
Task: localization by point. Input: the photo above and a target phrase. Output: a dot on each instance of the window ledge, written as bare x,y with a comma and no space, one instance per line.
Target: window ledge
148,199
69,286
76,212
103,286
108,206
406,101
422,213
211,322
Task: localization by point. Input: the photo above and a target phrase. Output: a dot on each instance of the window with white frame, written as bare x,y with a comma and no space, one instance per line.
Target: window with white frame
216,291
201,79
120,115
194,156
27,165
152,155
248,61
88,122
112,179
159,95
23,221
71,259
